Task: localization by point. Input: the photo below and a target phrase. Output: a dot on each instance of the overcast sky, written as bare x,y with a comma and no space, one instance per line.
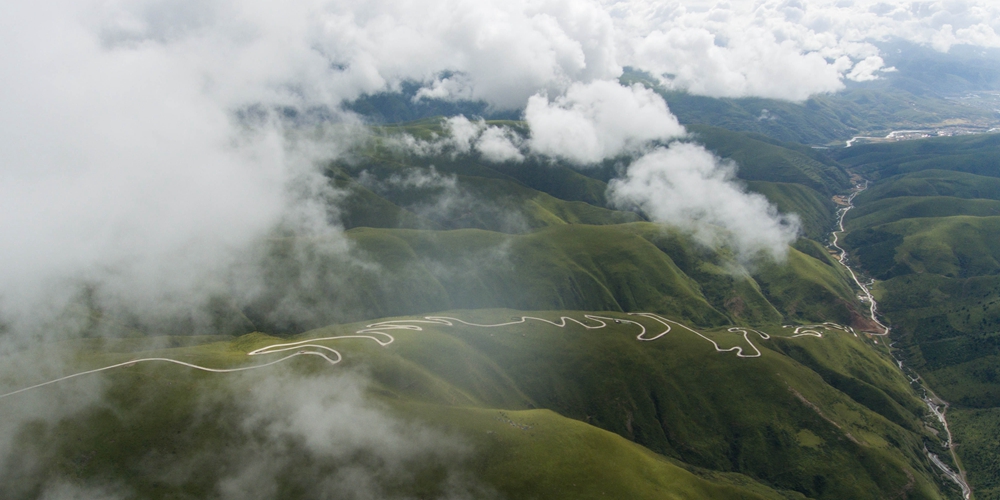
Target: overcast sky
122,163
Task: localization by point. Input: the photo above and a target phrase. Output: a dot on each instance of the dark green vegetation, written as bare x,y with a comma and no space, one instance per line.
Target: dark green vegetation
797,179
397,107
929,228
935,182
978,432
974,154
761,158
541,412
430,233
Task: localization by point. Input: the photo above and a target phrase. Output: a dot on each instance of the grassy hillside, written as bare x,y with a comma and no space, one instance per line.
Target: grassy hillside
446,231
812,417
944,326
810,285
815,211
467,202
955,247
888,210
978,435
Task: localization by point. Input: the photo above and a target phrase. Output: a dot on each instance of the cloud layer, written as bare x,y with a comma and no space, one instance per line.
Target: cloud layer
142,149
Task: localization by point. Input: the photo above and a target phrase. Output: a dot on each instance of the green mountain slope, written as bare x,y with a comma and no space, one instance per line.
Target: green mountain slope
812,417
468,202
815,211
761,159
797,179
534,235
929,229
621,267
978,432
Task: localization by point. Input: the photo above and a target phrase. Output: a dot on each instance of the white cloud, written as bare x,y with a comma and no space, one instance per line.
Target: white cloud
119,167
462,133
595,121
685,186
867,69
754,63
498,145
124,165
786,49
495,144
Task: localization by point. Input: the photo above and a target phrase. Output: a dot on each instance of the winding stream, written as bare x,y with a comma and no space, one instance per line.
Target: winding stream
937,406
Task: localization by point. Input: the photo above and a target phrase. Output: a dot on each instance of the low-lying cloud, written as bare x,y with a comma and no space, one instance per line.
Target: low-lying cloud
492,143
687,187
444,200
274,433
355,448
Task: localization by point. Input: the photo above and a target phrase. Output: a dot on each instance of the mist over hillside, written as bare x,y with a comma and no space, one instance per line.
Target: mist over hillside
188,185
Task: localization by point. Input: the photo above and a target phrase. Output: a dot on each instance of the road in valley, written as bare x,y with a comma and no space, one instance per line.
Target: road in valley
937,406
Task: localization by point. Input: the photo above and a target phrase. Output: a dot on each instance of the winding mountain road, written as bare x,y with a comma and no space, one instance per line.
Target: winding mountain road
380,333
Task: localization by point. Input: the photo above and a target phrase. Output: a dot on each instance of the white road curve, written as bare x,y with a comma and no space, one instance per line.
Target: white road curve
800,331
813,330
177,362
739,349
563,321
